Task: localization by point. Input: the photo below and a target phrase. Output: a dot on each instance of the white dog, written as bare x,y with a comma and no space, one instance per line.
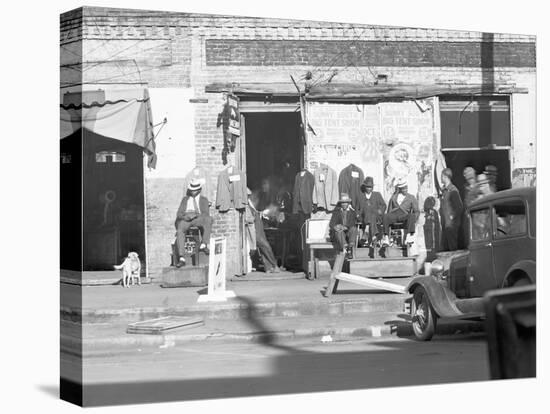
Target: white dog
131,268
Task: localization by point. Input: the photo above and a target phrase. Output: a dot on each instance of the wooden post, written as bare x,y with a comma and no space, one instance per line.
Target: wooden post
336,270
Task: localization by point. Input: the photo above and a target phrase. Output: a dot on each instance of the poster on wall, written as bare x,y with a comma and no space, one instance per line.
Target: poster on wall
233,114
345,134
407,136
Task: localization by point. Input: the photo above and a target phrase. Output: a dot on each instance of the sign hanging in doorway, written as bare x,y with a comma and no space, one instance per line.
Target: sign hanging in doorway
234,115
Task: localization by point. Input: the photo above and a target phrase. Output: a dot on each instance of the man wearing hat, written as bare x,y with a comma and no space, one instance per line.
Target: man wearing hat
471,189
193,211
484,185
371,208
491,172
342,223
402,207
450,211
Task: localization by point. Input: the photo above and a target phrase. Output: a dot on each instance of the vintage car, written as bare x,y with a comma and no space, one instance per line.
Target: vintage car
501,253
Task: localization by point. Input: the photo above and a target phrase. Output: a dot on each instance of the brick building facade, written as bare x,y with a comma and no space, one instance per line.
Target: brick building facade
186,55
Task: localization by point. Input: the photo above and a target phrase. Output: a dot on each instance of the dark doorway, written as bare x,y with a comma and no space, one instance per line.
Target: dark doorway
273,147
274,155
113,201
478,159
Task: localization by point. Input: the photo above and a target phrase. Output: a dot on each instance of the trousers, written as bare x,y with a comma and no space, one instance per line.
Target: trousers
450,238
398,216
202,222
342,237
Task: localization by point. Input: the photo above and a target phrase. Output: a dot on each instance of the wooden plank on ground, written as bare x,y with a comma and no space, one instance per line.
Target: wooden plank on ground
370,283
160,325
336,269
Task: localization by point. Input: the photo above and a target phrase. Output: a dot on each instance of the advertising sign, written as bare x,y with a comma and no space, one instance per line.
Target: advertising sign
216,272
233,114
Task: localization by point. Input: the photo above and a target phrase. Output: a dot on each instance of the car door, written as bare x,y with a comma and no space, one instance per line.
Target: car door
511,243
481,275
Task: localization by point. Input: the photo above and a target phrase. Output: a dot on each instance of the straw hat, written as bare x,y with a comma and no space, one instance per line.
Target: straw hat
344,198
401,183
194,185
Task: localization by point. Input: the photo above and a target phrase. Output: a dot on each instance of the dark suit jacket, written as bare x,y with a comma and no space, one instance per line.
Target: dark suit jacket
203,206
409,205
372,209
451,207
338,218
351,185
303,193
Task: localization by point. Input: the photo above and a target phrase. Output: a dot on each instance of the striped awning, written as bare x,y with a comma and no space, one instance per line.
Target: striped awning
124,115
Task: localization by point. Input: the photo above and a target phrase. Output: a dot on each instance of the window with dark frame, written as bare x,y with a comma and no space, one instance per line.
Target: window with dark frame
510,219
480,224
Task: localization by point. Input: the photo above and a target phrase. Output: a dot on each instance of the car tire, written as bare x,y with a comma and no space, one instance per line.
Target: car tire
423,316
522,281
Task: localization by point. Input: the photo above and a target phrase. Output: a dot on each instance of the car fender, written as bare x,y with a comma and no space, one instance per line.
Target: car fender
527,266
441,297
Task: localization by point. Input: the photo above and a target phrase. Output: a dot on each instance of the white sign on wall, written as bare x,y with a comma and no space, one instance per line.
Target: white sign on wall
216,272
175,142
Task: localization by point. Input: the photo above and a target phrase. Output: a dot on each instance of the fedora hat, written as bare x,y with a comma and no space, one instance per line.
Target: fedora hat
401,182
369,182
344,198
194,185
469,172
490,170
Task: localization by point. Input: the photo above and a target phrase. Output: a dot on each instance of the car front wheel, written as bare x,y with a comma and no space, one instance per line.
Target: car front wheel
423,317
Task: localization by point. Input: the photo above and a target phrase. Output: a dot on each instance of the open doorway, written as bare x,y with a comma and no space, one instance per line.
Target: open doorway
113,202
274,155
457,160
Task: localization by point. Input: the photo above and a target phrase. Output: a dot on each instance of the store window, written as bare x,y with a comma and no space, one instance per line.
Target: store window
475,122
480,224
510,219
110,156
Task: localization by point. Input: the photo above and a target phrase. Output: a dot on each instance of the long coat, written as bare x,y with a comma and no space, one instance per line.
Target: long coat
351,185
451,207
371,210
338,218
231,194
409,205
203,207
325,191
303,192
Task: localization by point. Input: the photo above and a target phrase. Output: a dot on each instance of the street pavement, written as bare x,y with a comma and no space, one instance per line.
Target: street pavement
220,370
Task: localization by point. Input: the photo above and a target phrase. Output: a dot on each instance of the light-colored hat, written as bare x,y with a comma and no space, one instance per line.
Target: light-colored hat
194,185
344,198
482,179
401,183
469,172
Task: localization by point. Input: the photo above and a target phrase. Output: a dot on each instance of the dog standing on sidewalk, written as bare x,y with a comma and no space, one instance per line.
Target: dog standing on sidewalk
131,268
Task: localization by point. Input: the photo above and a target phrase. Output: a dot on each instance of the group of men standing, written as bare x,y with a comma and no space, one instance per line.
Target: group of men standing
452,207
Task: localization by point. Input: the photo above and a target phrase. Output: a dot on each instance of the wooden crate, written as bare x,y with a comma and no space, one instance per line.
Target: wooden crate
186,276
388,267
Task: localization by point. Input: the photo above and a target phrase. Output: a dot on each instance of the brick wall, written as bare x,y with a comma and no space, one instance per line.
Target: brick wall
182,50
227,52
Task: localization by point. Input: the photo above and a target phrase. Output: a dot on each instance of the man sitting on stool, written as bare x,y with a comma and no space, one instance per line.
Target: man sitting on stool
193,211
342,224
402,207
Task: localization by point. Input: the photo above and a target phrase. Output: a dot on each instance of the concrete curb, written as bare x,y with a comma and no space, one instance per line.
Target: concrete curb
239,310
114,345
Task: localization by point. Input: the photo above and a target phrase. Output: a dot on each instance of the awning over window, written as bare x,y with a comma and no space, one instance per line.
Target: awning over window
123,115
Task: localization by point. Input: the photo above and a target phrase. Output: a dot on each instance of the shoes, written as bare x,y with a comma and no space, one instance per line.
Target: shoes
181,262
204,248
274,270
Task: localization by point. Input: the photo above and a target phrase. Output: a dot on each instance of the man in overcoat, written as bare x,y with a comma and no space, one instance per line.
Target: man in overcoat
451,210
342,224
402,207
193,211
371,208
